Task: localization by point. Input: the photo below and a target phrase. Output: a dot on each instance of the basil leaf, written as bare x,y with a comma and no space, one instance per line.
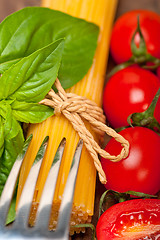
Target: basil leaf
11,126
12,211
32,28
31,112
8,64
31,78
4,105
13,143
1,137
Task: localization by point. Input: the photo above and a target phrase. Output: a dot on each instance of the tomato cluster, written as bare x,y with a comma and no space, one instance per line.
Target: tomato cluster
130,91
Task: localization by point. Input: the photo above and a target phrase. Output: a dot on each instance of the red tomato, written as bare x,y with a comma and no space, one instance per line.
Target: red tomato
128,91
140,171
133,219
124,29
158,72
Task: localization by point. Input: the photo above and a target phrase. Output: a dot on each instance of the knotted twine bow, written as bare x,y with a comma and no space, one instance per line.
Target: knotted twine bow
74,108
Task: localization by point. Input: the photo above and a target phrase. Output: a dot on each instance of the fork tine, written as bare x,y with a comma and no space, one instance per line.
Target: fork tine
66,205
44,209
8,190
25,202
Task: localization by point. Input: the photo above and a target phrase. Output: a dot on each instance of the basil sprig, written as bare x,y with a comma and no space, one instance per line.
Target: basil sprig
28,81
33,28
23,85
37,45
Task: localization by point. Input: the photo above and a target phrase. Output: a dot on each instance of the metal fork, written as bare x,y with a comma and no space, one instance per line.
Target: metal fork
20,229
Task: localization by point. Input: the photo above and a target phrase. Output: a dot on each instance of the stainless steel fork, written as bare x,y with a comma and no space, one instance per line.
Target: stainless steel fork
20,229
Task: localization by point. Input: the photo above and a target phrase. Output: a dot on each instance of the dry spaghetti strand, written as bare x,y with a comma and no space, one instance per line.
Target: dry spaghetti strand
75,108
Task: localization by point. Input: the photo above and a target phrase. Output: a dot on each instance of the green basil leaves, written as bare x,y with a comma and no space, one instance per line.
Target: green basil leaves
23,85
11,142
33,28
27,82
32,77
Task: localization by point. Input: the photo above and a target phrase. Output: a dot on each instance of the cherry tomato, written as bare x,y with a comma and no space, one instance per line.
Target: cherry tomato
124,29
128,91
133,219
140,170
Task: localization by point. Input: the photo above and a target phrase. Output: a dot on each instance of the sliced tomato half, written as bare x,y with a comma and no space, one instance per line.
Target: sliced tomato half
137,219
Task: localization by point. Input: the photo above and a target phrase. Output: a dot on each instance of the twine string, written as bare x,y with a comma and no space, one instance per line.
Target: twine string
76,108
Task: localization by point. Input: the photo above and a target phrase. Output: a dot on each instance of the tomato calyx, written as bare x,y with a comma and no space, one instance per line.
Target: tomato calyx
139,52
146,118
139,56
111,197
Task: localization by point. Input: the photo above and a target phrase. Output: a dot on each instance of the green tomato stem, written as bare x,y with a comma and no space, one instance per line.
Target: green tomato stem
146,118
141,50
139,56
